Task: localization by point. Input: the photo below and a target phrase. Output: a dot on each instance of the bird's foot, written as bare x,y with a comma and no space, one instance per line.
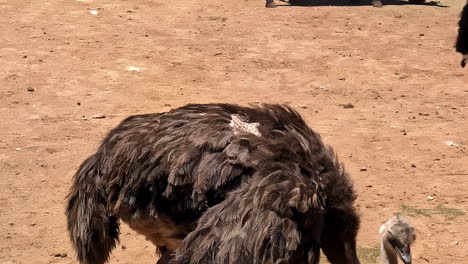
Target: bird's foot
377,3
270,4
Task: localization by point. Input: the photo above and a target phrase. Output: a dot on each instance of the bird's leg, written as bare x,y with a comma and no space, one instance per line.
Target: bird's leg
270,4
166,255
377,3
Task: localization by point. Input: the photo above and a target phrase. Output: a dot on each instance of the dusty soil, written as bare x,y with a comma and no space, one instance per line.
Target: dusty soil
63,61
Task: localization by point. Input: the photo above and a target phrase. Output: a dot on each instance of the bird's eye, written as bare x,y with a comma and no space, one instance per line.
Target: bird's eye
394,242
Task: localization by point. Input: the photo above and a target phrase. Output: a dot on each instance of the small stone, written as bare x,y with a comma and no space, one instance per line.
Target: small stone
25,56
456,242
450,143
18,149
303,107
60,255
98,116
30,89
413,165
422,34
430,198
342,79
78,103
132,69
346,106
363,169
124,247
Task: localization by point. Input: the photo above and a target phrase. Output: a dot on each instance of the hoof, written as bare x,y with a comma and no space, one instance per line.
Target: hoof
377,3
270,4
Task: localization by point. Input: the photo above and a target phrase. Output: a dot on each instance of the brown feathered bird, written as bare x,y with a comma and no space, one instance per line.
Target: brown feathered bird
216,183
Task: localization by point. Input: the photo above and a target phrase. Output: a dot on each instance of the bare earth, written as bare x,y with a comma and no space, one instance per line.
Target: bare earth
396,65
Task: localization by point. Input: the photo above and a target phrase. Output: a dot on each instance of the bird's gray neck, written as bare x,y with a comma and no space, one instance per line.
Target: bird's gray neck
387,252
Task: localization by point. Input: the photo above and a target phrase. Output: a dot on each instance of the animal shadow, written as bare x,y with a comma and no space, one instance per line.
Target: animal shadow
356,3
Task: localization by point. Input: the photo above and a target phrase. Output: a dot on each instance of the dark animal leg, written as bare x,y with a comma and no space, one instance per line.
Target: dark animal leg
270,4
461,44
166,255
377,3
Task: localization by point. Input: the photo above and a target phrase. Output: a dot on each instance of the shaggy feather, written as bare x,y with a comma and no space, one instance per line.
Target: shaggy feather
216,183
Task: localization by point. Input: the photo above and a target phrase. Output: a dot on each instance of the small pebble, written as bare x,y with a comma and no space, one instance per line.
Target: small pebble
346,106
413,165
422,34
30,89
124,247
132,68
430,198
450,143
78,103
98,116
61,255
363,169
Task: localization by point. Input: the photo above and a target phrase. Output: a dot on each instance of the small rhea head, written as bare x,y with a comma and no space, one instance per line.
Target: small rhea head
398,233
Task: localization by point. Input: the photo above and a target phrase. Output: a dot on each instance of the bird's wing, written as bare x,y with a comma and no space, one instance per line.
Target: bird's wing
260,222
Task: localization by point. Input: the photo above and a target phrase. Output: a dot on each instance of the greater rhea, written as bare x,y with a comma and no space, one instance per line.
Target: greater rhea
396,237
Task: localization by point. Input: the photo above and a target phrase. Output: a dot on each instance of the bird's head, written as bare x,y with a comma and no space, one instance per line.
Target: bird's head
399,234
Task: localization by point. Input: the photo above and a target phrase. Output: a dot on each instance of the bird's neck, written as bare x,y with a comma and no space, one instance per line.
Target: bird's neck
387,253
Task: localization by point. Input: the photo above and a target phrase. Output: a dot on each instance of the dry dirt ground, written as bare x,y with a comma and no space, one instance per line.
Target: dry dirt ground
63,61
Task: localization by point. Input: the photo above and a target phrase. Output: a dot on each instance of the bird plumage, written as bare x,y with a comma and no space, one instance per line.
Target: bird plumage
396,237
216,183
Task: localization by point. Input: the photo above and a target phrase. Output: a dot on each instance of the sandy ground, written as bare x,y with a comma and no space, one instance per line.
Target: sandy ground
63,61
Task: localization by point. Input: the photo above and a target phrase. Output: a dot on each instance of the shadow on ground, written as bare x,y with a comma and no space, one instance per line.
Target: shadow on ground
355,3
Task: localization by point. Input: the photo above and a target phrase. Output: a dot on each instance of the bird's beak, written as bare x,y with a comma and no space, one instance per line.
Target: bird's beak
464,60
405,254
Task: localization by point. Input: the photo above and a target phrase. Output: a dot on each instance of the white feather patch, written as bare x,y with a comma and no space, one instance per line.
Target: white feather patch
382,228
240,125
